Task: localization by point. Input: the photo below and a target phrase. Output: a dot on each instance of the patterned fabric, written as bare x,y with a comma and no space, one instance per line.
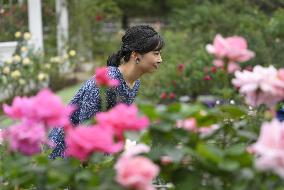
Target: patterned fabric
88,103
280,114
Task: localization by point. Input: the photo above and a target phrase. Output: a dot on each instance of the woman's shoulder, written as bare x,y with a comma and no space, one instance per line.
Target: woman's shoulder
113,72
88,86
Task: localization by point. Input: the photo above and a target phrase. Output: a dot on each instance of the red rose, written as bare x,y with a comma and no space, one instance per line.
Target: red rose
207,77
163,96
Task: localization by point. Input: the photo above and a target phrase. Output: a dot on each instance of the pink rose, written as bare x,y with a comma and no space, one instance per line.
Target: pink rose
165,160
187,124
260,86
219,47
26,138
136,172
269,147
219,63
207,78
51,111
119,119
1,136
237,49
233,67
208,130
21,108
234,48
102,78
44,108
82,141
281,74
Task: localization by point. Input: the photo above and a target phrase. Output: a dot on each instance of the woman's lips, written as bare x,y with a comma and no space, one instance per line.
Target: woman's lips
156,65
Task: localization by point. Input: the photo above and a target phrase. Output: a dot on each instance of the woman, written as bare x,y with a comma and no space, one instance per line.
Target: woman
140,53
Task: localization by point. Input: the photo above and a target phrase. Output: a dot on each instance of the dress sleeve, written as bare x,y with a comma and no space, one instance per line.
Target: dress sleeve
111,98
91,103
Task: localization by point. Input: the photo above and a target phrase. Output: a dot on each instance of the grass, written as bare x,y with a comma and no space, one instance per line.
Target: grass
65,94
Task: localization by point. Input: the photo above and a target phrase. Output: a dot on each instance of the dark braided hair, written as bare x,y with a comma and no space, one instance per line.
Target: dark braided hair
141,39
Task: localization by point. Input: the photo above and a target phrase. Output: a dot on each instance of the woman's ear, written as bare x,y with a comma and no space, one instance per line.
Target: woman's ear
135,55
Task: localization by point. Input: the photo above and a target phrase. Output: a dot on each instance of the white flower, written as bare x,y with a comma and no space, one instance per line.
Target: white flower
129,144
136,149
232,102
184,98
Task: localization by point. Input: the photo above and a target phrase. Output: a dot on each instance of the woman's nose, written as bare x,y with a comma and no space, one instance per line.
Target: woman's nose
160,59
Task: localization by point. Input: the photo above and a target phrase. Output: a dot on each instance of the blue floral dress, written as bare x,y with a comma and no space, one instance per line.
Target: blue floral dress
88,103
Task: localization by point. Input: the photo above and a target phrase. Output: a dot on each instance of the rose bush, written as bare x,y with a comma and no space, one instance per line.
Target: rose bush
188,145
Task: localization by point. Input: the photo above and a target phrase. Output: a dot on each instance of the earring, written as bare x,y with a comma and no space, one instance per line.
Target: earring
137,61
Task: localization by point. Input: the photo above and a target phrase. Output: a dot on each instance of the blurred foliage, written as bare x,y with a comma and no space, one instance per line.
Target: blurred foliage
216,160
13,18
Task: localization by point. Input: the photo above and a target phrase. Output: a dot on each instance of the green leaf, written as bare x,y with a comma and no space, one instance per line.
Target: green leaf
235,150
229,165
233,111
210,152
173,108
149,111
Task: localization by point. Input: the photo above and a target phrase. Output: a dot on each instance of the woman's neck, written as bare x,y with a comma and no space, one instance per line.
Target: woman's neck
130,72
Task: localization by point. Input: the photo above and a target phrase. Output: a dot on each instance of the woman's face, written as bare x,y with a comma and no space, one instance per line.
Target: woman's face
150,62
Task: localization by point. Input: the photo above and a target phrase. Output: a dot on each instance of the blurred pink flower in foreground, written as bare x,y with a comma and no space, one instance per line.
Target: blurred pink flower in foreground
82,141
234,49
136,172
26,138
123,118
269,148
102,78
260,86
37,115
45,108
